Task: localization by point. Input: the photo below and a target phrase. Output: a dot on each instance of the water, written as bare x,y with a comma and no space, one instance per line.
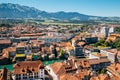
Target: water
10,66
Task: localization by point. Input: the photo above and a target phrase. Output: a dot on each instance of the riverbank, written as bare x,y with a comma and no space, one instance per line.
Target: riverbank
10,66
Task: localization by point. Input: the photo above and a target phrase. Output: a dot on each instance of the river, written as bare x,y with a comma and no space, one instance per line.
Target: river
10,66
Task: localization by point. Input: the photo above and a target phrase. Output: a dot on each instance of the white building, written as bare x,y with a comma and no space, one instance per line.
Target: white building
111,30
110,54
105,31
50,39
51,72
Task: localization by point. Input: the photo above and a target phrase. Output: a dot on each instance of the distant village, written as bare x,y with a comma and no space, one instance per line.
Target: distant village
60,52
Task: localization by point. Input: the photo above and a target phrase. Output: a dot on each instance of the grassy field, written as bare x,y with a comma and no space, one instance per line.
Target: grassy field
102,47
57,23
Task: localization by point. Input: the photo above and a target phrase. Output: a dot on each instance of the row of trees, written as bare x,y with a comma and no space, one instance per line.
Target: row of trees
117,29
116,44
111,44
102,42
5,25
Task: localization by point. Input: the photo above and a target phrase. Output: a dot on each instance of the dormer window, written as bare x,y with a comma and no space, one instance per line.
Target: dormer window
23,70
116,68
18,64
33,69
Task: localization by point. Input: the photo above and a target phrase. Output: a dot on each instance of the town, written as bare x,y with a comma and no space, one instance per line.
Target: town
59,40
60,52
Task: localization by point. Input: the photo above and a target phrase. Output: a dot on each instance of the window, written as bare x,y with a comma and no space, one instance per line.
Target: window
18,78
24,76
30,75
36,75
41,75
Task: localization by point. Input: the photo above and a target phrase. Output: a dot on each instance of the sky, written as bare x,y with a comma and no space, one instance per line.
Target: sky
90,7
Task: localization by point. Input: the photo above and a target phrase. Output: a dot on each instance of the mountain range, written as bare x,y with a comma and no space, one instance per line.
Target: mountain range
9,10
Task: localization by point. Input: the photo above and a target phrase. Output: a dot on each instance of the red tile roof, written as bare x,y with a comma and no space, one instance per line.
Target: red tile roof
100,77
68,77
27,66
97,61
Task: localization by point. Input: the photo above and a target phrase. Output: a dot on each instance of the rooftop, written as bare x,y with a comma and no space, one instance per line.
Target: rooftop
27,67
5,74
100,77
5,42
97,61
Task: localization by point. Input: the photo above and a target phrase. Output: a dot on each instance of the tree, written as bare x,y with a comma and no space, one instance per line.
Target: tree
103,71
117,29
97,44
62,54
100,43
106,44
116,44
6,25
